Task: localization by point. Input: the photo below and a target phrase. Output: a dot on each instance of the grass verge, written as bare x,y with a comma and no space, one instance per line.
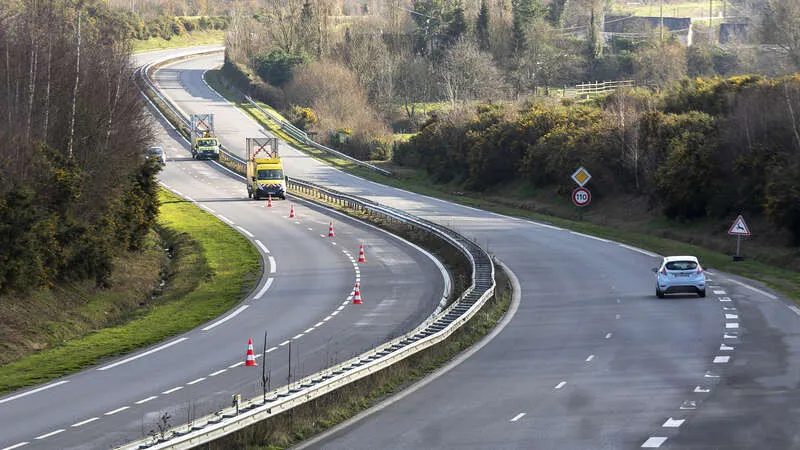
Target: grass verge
663,240
322,413
213,269
187,40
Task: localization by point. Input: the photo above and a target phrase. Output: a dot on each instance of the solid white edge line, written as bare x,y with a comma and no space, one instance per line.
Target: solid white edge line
170,391
114,411
16,446
132,358
225,219
227,318
262,246
639,250
190,199
754,289
84,422
512,311
264,289
52,433
273,267
590,236
145,400
249,234
207,209
24,394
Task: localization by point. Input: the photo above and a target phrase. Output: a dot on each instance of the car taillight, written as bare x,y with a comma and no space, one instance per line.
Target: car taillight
699,269
663,271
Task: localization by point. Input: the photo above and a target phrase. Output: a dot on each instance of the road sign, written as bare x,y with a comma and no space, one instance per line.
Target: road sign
739,228
581,196
581,177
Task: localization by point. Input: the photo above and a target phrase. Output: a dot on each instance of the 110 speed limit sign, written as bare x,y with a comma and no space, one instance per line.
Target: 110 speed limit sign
581,196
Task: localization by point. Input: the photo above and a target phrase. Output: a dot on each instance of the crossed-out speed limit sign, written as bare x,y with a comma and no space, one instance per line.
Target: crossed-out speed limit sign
581,197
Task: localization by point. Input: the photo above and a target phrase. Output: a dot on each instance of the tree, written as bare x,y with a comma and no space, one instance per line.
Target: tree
468,74
482,27
457,26
659,62
781,26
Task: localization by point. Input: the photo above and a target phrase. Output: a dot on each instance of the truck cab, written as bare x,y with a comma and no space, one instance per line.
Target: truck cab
266,179
205,147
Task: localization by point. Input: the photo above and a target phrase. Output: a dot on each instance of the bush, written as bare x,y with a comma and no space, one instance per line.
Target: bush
276,66
303,118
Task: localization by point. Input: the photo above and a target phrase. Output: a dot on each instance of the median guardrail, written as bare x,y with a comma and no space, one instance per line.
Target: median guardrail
434,330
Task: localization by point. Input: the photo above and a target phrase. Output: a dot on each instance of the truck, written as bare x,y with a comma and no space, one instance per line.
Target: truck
264,169
205,145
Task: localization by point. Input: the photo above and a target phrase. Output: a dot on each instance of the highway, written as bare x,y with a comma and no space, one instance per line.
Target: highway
589,358
303,300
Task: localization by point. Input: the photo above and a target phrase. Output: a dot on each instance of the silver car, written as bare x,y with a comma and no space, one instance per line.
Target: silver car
680,274
158,154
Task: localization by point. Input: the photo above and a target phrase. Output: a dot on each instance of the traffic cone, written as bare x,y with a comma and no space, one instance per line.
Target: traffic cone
269,200
330,230
357,296
291,212
251,357
361,257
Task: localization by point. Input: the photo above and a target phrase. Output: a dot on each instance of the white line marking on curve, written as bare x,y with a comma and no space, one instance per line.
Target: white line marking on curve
263,289
297,337
721,359
732,316
236,365
207,209
327,319
608,335
271,349
145,400
639,250
249,234
560,385
318,324
517,417
673,423
283,343
654,442
794,309
764,293
273,267
589,358
149,352
114,411
21,444
213,374
59,383
340,308
225,219
729,336
308,330
335,313
263,247
589,236
227,318
725,348
196,381
52,433
732,325
701,390
719,292
724,299
84,422
190,199
178,192
170,391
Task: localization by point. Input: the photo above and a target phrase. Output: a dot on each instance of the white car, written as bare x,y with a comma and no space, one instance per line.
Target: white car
158,154
680,274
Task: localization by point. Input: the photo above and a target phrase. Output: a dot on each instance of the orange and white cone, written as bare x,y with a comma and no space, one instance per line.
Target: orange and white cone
361,257
251,357
330,230
357,295
269,200
291,212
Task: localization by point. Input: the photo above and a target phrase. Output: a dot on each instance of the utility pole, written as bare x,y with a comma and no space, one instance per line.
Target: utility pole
710,24
661,14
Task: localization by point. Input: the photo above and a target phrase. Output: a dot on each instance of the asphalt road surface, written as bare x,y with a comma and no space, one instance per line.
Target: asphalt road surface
591,359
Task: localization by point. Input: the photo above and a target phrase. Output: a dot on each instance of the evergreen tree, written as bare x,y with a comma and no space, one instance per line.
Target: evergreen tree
458,26
482,27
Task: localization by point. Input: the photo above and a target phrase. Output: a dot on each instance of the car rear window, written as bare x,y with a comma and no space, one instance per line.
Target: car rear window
681,265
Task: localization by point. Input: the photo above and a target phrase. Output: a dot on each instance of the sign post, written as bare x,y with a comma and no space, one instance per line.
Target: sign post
739,229
581,196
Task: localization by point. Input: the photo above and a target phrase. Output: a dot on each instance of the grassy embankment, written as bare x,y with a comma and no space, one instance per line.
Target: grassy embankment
211,269
187,40
618,219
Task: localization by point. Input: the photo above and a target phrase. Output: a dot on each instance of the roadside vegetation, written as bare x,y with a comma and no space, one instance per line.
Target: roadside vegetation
187,40
193,269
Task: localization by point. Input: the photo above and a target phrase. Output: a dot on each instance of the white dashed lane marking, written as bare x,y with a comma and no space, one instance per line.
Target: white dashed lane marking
517,417
213,374
145,400
732,316
719,292
21,444
701,390
721,359
84,422
52,433
673,423
732,325
170,391
654,442
114,411
196,381
589,358
608,336
560,385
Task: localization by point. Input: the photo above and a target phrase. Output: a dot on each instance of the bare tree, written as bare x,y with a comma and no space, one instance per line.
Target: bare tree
283,23
468,73
414,81
781,27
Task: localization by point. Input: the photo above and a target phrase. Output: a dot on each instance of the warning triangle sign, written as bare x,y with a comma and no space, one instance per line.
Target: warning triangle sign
739,227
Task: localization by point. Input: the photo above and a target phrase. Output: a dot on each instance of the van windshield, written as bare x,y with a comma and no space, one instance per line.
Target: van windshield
270,174
207,142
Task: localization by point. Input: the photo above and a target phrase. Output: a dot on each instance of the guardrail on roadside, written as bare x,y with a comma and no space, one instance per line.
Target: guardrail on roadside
431,332
302,136
427,334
